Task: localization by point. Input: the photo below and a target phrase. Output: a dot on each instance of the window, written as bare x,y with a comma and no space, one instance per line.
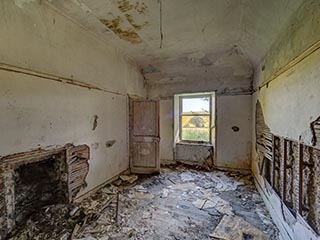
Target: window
195,118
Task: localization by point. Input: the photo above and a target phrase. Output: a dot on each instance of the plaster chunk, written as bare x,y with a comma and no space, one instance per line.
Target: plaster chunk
236,228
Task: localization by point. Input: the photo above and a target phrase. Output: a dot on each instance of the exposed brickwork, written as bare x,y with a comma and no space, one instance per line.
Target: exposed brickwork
68,171
291,160
310,186
277,165
3,212
78,168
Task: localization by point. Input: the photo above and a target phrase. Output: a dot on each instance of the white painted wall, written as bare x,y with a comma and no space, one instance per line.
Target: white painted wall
166,129
234,148
36,112
230,78
39,38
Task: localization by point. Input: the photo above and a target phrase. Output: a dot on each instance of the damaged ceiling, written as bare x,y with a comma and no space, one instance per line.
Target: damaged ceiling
186,40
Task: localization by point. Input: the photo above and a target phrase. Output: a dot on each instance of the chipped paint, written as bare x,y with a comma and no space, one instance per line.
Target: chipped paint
196,153
133,23
95,145
21,3
125,6
110,143
150,69
83,6
95,122
196,56
128,35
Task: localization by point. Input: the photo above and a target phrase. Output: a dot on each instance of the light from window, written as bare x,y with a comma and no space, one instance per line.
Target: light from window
195,118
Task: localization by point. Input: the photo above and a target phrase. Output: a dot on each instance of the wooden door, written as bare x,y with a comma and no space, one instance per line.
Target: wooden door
144,136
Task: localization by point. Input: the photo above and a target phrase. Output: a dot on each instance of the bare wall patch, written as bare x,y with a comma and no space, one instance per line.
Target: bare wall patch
110,143
235,129
95,122
315,129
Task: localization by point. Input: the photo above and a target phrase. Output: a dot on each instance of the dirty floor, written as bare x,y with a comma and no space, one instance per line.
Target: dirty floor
179,203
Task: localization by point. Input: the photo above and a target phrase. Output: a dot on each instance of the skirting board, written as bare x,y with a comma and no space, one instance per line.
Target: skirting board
241,170
191,163
284,235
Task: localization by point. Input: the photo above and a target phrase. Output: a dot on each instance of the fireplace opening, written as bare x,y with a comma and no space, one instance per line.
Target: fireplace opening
30,181
39,184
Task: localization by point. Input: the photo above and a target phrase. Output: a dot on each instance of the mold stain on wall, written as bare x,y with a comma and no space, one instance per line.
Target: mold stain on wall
133,23
128,35
125,6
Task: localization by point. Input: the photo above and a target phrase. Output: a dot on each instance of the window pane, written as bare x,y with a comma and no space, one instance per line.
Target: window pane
199,105
195,128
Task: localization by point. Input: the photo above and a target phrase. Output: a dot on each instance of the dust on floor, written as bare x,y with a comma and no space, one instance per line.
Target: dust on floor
179,203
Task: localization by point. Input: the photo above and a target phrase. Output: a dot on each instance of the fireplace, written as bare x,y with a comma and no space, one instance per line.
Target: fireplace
39,184
38,178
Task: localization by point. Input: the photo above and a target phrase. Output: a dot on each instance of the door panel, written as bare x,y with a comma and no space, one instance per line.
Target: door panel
144,136
142,153
145,118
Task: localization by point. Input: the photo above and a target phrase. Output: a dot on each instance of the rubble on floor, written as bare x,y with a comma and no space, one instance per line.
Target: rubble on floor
179,203
235,228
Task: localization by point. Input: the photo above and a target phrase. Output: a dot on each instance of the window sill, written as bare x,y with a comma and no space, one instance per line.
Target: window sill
194,144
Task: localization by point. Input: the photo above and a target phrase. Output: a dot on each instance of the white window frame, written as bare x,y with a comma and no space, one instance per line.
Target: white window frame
189,96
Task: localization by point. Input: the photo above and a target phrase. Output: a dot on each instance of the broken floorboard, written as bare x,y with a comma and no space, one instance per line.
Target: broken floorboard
179,203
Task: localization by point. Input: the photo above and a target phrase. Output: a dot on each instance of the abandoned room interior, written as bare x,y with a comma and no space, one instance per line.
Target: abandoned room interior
160,119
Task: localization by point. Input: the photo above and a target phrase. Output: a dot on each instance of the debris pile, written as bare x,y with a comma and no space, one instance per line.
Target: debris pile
235,228
75,220
180,203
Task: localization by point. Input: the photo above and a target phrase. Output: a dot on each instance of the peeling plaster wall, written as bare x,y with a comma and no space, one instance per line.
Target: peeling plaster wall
290,103
300,34
192,153
37,112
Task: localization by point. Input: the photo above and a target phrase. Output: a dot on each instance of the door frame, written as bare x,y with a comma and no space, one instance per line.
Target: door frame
154,139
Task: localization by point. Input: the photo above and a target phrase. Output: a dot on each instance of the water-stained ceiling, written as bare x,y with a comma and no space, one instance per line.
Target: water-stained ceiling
186,40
